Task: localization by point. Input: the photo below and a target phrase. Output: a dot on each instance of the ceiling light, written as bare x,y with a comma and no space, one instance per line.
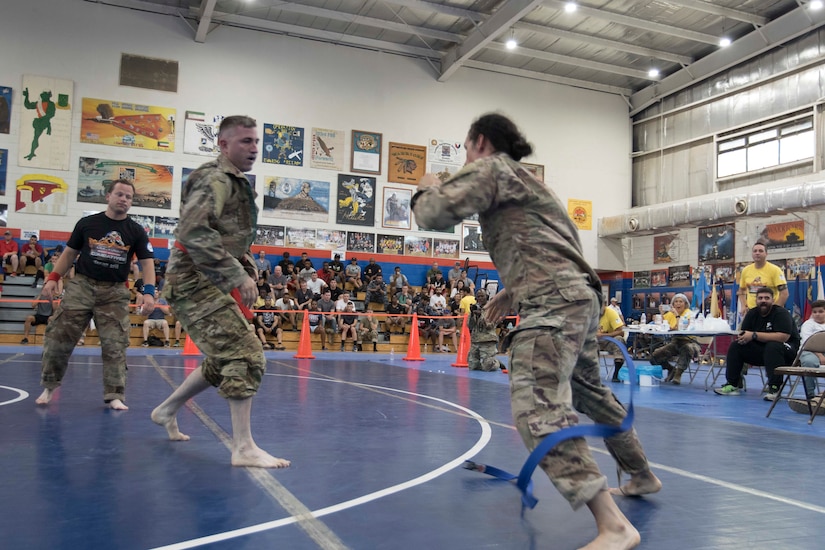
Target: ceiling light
724,41
653,73
816,4
570,7
511,42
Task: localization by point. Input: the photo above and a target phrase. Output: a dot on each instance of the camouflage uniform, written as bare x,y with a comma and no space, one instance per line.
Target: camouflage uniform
554,360
483,343
109,303
217,226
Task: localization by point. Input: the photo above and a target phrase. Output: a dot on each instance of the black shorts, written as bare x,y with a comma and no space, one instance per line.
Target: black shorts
40,319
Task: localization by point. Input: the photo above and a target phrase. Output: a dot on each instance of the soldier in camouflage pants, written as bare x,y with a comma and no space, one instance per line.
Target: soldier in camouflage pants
483,338
109,303
554,355
210,283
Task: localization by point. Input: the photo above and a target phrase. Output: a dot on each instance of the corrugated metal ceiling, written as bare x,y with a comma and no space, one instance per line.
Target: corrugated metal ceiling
604,45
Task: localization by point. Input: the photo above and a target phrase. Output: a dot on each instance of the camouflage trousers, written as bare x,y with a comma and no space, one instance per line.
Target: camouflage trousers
554,369
234,362
482,356
85,298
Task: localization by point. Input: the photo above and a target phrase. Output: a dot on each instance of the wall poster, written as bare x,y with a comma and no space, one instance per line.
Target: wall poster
327,149
406,163
296,199
122,124
283,144
42,194
153,182
45,123
356,200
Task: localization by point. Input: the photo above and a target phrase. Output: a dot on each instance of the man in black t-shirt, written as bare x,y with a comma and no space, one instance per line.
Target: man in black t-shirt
104,242
768,337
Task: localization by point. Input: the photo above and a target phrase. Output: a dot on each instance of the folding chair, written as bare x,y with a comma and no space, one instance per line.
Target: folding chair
816,344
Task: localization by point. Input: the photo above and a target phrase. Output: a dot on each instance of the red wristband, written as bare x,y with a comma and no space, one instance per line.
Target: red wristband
53,276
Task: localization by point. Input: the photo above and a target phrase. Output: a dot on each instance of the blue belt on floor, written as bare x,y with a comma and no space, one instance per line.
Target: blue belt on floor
524,480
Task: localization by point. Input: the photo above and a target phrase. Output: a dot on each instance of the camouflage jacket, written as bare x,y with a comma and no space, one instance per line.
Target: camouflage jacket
218,218
526,230
480,330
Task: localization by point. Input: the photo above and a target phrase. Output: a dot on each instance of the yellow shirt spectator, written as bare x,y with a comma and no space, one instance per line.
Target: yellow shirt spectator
753,278
610,321
465,303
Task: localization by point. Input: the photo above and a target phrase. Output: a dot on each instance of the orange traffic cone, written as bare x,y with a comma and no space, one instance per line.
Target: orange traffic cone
413,348
463,346
305,345
189,347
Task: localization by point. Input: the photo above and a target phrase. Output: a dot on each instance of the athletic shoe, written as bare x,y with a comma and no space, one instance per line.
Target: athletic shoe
145,343
24,341
773,392
177,344
166,344
727,389
801,406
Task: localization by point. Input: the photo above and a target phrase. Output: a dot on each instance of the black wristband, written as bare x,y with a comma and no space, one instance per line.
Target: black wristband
753,337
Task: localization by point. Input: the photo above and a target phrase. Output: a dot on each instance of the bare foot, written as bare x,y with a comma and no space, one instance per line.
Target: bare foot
45,397
257,458
170,422
644,483
621,539
118,405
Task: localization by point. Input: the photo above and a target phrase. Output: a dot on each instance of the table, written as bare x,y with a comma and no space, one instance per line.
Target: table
711,345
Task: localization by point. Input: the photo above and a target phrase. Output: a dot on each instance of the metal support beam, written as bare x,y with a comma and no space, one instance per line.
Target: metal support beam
613,44
368,21
508,13
707,7
205,21
533,75
254,23
574,61
638,23
443,9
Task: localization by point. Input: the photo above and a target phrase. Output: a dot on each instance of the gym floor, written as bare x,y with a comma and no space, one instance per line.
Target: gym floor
376,445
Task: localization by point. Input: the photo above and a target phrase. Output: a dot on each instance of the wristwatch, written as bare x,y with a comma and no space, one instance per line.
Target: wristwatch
753,337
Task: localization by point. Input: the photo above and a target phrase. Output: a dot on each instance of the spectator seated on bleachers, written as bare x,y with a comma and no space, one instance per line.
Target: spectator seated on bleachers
397,281
263,265
43,312
368,330
10,251
352,274
286,304
157,320
394,320
447,327
316,322
371,271
268,322
427,328
376,291
31,254
348,322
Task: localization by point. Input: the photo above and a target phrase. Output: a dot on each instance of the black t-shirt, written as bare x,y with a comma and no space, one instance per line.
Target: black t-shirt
372,270
777,320
106,245
337,266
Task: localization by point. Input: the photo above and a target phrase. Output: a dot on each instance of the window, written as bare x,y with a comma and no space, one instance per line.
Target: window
766,147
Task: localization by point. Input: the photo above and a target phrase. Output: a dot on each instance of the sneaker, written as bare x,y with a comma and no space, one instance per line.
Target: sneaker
177,344
145,343
166,344
342,346
24,341
355,347
727,389
773,392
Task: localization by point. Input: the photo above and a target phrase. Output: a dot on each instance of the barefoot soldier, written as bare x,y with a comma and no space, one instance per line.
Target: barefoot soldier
554,364
212,260
105,243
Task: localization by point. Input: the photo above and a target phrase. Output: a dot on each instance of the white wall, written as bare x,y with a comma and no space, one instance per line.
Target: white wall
582,137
